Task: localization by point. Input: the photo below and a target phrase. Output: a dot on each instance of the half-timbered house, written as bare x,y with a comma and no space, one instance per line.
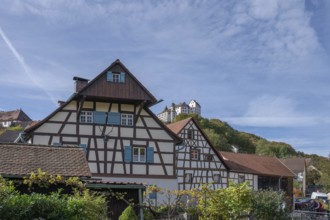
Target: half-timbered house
197,160
109,117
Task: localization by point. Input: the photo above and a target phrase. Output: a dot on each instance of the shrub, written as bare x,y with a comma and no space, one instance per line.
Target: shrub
269,205
128,214
82,205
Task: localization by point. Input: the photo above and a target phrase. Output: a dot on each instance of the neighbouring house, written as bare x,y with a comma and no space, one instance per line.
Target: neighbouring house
9,118
169,113
109,118
298,166
19,160
197,161
263,172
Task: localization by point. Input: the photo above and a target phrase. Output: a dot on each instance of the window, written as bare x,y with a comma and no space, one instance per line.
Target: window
190,134
127,119
208,157
241,178
217,178
194,154
188,178
86,117
116,77
139,154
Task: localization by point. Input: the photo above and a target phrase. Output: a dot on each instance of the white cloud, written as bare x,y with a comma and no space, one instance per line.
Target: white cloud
265,10
272,111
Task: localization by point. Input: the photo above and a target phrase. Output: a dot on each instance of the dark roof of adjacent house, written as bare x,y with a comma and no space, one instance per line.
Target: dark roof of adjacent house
255,164
9,136
15,115
295,164
21,160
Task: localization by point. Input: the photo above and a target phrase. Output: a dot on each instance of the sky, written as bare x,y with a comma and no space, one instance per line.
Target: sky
261,66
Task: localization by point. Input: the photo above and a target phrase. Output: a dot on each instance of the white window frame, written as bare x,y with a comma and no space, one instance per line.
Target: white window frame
127,119
86,117
116,77
139,154
194,154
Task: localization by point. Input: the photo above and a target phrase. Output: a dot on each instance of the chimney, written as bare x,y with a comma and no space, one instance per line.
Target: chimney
80,83
60,102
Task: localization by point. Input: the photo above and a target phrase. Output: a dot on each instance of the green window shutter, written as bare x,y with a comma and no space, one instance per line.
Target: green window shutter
122,77
150,155
128,154
99,117
109,76
113,118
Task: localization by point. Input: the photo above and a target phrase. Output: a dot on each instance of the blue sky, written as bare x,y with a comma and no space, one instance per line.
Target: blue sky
262,66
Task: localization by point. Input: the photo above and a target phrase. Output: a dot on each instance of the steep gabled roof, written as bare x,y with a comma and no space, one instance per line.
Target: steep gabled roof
20,160
255,164
177,127
132,89
15,115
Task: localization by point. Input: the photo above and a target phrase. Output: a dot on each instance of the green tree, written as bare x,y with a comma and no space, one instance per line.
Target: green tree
226,203
269,205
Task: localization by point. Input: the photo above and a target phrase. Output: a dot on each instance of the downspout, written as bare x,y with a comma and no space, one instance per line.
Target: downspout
140,204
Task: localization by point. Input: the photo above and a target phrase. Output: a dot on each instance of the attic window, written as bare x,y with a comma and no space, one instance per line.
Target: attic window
118,77
190,134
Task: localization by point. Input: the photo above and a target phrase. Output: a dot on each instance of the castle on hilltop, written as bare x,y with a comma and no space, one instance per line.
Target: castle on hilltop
169,113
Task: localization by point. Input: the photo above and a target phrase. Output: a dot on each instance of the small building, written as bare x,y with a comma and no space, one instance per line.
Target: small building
169,113
9,118
19,160
263,172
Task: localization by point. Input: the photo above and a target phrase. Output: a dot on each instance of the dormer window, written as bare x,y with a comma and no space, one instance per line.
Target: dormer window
116,77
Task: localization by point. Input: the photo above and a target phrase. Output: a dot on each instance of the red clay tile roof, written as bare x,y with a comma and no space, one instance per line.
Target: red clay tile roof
18,159
178,126
15,115
255,164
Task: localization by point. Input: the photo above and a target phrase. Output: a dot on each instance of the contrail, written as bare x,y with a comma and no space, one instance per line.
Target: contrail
25,67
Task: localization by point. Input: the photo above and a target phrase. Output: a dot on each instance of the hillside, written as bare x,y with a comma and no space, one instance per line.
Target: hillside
225,138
